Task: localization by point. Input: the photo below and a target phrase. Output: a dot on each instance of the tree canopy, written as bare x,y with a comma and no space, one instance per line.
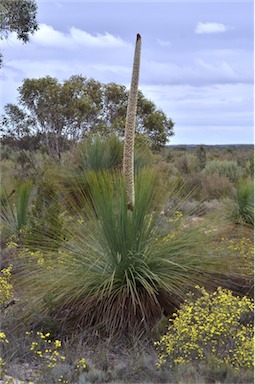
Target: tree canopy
17,16
68,111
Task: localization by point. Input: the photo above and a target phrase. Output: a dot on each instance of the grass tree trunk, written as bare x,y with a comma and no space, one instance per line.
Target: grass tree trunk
128,155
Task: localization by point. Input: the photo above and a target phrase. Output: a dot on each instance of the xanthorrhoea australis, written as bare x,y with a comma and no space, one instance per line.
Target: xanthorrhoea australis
128,155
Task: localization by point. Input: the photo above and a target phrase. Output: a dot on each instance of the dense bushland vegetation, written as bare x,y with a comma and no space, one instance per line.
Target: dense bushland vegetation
98,284
100,251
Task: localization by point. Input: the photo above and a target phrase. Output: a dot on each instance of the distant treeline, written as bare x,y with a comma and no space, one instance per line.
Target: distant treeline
190,147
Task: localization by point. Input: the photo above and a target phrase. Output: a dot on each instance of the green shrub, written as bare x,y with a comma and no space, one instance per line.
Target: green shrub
46,217
250,166
99,153
214,326
15,208
227,168
201,156
243,207
106,153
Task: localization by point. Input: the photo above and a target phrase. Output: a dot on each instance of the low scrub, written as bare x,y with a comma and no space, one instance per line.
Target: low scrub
216,187
209,187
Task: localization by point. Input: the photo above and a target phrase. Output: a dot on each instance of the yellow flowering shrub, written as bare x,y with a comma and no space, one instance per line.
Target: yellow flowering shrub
50,354
245,248
213,325
37,258
47,349
3,341
6,288
81,364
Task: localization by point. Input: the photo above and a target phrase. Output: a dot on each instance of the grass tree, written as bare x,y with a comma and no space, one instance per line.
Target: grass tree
128,155
116,272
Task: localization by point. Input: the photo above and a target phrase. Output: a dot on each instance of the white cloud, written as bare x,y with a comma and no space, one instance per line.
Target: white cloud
211,28
106,40
48,37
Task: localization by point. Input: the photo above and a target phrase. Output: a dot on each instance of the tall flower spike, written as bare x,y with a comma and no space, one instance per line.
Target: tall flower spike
128,155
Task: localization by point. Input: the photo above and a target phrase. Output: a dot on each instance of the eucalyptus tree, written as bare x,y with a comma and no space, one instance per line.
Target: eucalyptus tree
60,112
18,16
65,112
41,98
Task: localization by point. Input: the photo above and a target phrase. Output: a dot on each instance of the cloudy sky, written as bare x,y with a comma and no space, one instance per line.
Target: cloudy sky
197,58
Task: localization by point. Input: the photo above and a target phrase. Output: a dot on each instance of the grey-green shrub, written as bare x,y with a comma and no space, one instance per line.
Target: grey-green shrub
227,168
